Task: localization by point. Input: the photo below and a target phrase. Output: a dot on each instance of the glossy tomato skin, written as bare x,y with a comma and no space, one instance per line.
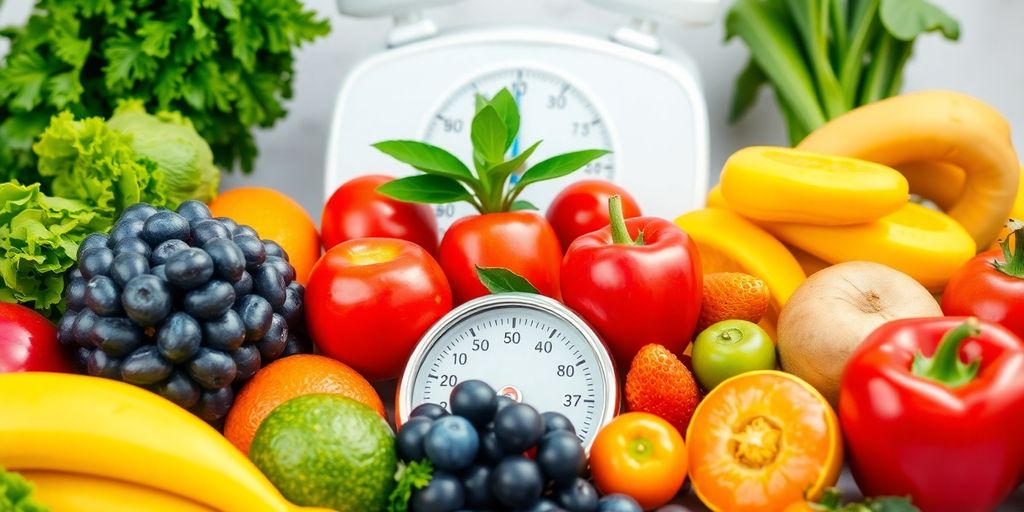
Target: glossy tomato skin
582,207
979,290
522,242
369,300
357,210
28,342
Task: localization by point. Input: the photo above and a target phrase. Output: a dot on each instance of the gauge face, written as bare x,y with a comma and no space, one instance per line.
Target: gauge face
552,110
528,352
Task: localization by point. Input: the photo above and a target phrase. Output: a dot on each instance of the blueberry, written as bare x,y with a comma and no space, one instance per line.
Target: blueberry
543,505
490,451
228,261
432,411
519,426
256,315
247,362
163,226
244,229
503,402
133,245
206,230
213,405
138,211
74,293
117,335
516,482
444,493
409,440
253,250
125,230
159,271
83,330
274,249
165,250
96,262
189,268
66,329
476,483
179,389
475,401
673,508
268,282
75,273
193,210
243,286
275,340
561,457
284,268
99,364
225,332
618,503
296,344
212,369
577,496
81,356
146,300
210,300
128,266
229,223
292,309
93,241
145,367
179,337
452,443
102,296
557,421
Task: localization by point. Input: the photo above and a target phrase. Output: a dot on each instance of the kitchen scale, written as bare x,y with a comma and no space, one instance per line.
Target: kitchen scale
528,347
628,93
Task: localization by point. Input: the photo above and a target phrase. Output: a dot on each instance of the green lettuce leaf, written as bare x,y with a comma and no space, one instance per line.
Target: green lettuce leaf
16,494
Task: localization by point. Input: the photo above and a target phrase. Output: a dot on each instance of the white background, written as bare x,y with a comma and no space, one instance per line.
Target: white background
988,62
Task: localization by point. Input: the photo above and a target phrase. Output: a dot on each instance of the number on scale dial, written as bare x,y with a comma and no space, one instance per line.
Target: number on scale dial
531,356
552,110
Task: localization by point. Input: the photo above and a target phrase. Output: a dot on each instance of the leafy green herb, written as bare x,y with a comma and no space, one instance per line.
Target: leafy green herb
447,179
227,65
16,494
415,475
832,501
825,57
503,280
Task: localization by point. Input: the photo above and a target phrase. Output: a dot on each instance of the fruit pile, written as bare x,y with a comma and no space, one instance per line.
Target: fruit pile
181,303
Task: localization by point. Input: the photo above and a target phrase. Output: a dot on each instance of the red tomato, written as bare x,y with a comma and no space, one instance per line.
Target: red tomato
369,300
522,242
28,342
582,208
979,289
357,210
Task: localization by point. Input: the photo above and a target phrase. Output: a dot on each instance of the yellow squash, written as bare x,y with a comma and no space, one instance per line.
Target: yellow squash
935,126
923,243
788,185
939,182
75,492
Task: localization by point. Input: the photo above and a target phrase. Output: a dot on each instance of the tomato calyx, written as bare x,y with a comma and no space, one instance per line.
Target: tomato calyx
945,365
620,234
1013,264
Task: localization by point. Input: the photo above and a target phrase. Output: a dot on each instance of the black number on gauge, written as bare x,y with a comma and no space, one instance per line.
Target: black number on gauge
543,346
512,337
481,345
449,380
571,400
565,370
460,358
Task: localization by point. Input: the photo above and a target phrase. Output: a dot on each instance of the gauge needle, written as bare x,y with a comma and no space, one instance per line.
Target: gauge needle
515,142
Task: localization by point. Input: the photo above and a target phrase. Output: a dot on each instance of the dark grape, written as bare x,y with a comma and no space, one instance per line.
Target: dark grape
228,261
74,293
292,309
268,283
245,230
133,245
213,405
225,332
179,389
284,268
93,241
519,426
503,402
475,401
144,367
557,421
102,296
252,249
578,496
543,505
163,226
212,369
561,457
206,230
516,482
432,411
275,340
193,210
146,300
117,335
189,268
490,451
618,503
256,315
409,440
159,271
209,301
83,330
247,362
444,493
243,286
165,250
274,249
99,364
476,483
66,329
452,443
138,211
96,262
229,223
126,230
128,266
296,344
179,337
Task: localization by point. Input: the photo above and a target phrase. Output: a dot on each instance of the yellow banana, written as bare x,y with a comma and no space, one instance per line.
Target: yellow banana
75,423
73,492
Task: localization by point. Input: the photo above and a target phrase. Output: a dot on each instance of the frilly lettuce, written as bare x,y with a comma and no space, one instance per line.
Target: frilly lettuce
16,494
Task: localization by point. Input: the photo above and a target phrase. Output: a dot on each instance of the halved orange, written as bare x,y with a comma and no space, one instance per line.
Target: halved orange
761,440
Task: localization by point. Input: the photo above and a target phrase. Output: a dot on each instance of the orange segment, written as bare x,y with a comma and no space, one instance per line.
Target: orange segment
759,440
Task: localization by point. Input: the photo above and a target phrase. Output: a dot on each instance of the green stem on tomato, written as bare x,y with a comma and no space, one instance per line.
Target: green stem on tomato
620,234
1013,264
945,366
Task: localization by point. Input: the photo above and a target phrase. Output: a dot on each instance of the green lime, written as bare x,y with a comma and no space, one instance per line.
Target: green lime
327,451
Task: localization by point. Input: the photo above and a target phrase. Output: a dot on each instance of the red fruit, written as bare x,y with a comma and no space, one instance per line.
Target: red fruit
658,383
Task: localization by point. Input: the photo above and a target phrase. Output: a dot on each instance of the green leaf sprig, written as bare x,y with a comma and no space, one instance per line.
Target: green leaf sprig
832,501
16,494
503,280
446,179
411,476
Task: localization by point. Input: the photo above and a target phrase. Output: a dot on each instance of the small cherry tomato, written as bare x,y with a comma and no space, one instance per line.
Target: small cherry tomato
729,348
357,210
28,342
582,207
369,300
641,455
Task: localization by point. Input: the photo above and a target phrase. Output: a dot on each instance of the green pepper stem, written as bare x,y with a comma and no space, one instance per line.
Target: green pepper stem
945,366
1013,265
620,234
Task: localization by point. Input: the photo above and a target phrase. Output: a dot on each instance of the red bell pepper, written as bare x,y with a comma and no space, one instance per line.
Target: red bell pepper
944,429
991,285
637,281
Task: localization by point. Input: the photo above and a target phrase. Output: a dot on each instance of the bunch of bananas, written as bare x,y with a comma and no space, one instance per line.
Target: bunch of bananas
91,444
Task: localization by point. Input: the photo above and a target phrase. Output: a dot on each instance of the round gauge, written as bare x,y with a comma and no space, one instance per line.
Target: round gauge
552,110
528,347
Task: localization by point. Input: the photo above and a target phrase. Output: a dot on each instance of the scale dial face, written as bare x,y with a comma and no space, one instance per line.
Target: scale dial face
527,347
552,110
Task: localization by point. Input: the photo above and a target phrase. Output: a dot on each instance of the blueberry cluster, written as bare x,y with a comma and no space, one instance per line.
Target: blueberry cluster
182,304
479,453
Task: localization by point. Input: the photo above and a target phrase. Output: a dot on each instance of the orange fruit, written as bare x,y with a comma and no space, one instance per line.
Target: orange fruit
761,440
276,217
659,383
287,378
732,296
